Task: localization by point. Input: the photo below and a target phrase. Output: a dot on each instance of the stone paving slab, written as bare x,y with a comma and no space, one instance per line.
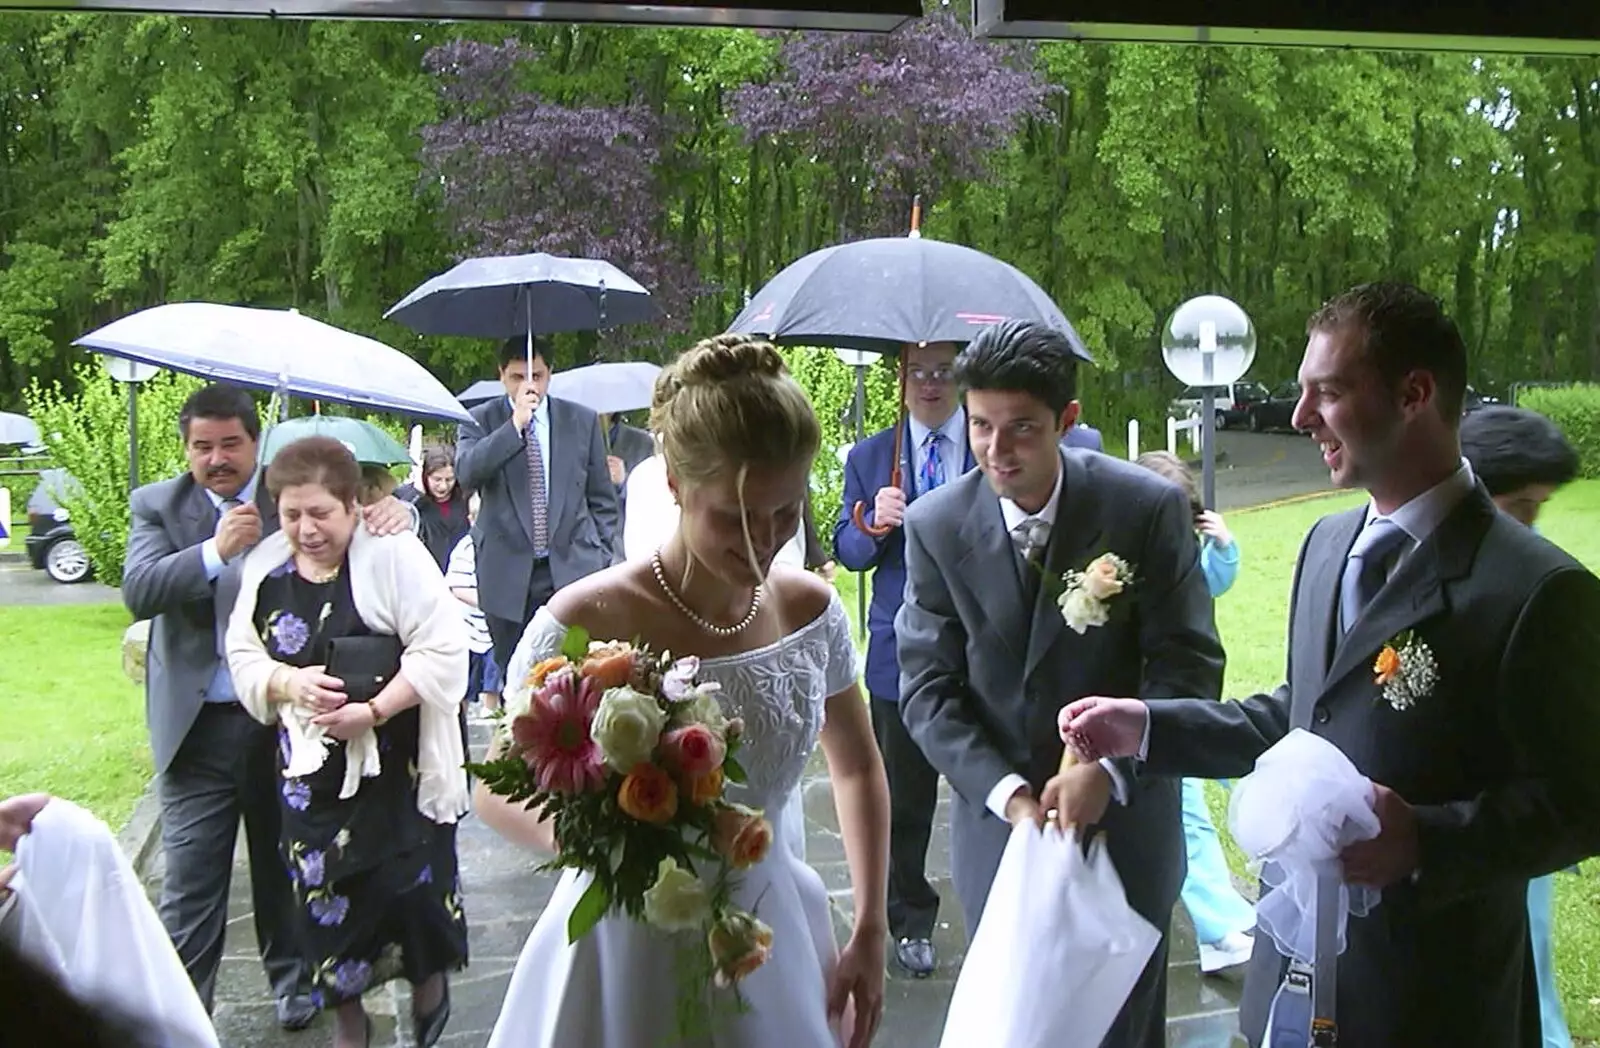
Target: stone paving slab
504,896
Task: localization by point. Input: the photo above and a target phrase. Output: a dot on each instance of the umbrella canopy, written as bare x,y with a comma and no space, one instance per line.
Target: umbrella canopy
882,293
370,445
507,295
607,388
18,429
274,349
480,391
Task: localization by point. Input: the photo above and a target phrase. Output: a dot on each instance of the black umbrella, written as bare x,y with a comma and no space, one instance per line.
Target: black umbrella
887,292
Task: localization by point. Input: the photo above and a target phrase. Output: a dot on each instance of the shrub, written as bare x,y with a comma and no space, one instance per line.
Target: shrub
1576,410
831,385
87,435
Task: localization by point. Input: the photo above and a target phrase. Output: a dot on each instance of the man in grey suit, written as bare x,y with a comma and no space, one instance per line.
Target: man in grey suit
547,510
986,655
1486,778
215,764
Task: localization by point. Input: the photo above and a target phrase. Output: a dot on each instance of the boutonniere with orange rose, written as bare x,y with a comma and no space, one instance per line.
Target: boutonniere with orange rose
1405,670
1086,595
629,755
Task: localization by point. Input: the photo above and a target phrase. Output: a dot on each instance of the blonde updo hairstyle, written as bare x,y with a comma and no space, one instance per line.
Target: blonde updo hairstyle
728,405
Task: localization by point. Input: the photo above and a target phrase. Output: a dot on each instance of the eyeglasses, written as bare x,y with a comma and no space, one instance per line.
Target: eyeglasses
934,375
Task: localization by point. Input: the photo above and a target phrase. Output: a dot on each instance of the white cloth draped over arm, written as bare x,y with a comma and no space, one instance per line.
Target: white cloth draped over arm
398,590
88,921
1302,806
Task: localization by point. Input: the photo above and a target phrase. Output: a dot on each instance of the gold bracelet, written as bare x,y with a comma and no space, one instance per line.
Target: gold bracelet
378,719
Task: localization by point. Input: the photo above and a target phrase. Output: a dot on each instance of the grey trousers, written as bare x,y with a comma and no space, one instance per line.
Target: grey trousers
226,770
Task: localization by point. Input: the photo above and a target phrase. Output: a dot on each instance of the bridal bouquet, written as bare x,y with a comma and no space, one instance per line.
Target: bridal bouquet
629,755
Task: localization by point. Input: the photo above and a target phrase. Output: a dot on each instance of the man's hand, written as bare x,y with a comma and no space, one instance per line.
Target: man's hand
1209,522
889,508
238,530
1097,727
17,815
827,570
619,471
1393,854
1022,806
348,721
523,406
387,516
1078,795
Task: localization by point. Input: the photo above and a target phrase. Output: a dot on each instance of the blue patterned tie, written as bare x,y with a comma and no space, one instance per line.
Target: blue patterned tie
538,500
932,461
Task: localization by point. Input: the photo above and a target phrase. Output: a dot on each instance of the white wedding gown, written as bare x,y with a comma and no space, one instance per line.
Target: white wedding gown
616,987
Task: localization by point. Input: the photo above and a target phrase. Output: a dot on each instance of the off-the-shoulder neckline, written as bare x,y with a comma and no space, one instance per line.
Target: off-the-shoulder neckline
733,658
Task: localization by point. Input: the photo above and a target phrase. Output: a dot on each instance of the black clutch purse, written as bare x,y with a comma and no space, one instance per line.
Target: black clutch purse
365,664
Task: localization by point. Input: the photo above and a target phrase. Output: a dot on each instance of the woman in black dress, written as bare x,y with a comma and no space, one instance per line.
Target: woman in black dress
442,511
370,779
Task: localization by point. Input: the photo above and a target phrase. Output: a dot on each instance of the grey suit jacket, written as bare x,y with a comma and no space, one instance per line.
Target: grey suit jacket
491,459
164,579
982,675
1499,764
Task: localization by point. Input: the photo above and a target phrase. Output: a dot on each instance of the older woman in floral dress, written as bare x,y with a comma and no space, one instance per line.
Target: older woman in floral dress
371,789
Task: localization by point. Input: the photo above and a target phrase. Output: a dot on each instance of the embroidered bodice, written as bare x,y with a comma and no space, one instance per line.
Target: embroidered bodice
779,689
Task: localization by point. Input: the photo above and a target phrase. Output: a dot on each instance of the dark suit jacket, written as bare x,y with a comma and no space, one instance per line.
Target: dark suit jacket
982,675
164,580
1499,762
866,469
491,459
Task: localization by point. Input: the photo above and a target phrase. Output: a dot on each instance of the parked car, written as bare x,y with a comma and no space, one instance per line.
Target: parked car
1274,411
1475,400
1230,403
51,544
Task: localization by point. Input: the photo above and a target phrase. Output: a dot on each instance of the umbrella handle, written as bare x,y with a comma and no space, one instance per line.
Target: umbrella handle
877,531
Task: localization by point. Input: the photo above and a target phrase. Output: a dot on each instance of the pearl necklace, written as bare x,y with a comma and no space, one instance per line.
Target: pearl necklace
694,617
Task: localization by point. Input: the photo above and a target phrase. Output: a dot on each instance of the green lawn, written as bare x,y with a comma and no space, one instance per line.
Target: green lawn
74,724
1252,619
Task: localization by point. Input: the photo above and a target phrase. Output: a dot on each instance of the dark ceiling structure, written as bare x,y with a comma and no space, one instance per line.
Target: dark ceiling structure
1525,26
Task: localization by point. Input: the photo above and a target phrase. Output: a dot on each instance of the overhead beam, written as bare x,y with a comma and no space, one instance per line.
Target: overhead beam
849,15
1569,27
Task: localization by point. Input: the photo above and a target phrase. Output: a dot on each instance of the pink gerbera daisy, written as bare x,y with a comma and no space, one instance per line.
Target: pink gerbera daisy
553,736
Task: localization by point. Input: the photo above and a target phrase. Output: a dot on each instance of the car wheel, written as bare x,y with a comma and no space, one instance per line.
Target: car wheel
1255,422
1222,420
66,561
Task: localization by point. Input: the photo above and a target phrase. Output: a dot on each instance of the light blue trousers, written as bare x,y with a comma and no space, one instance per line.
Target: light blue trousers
1541,894
1215,907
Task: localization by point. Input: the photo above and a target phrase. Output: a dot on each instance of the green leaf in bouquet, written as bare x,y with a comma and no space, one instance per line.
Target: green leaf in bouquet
575,646
733,771
590,908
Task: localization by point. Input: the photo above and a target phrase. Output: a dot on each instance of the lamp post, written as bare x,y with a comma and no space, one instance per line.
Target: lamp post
130,373
860,360
1208,342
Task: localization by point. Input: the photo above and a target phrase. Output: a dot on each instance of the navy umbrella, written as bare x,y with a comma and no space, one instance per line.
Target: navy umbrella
507,295
881,294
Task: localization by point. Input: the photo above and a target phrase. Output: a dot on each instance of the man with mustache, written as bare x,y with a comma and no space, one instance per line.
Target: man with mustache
214,763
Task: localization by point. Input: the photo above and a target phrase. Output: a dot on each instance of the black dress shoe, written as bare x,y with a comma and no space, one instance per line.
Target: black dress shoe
429,1028
296,1012
916,956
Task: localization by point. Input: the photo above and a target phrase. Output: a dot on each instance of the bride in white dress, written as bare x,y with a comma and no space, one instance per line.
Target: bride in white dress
739,437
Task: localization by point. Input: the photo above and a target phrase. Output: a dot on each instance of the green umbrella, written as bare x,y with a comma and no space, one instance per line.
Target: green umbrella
370,445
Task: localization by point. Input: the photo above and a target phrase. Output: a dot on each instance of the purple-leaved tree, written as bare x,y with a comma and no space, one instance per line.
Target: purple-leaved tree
888,116
521,174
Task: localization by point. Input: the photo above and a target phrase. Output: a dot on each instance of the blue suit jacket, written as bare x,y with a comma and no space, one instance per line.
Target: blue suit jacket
1083,436
866,469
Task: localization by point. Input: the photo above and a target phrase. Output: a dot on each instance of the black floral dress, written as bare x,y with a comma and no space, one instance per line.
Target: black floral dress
375,880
